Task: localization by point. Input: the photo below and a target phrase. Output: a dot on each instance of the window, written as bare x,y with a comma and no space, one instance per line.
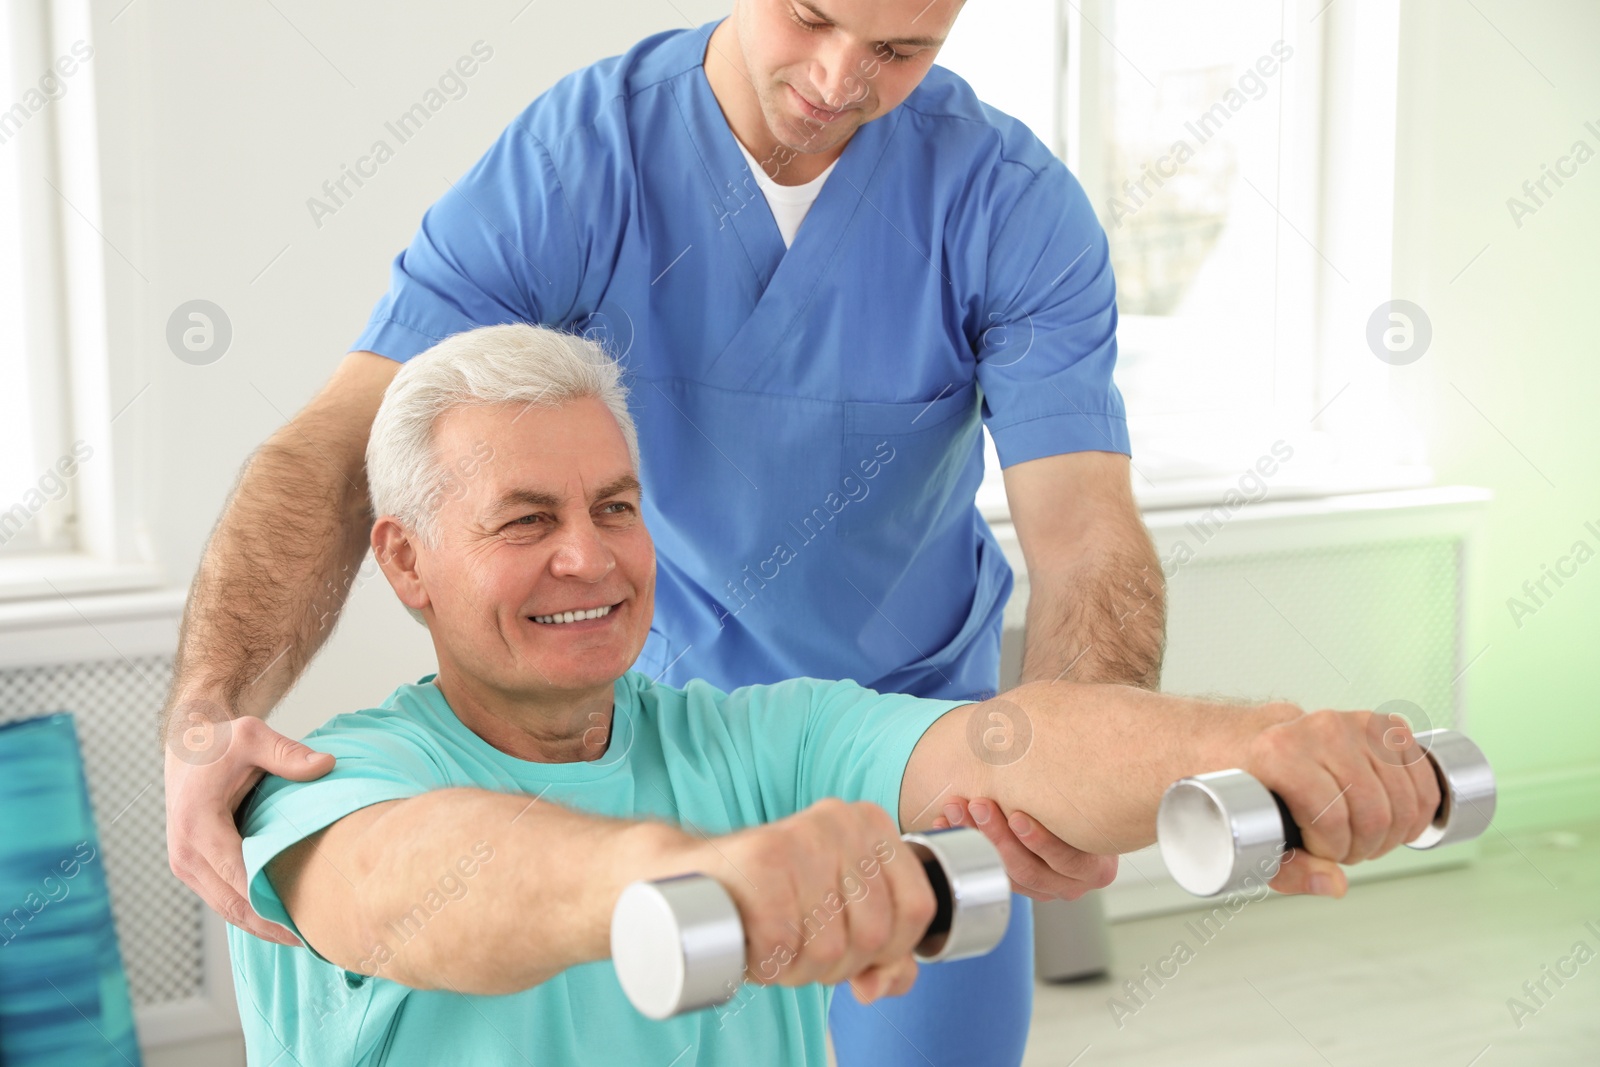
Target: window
37,465
1239,154
1190,150
70,491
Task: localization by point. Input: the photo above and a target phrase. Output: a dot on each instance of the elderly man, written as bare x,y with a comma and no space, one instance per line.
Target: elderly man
453,876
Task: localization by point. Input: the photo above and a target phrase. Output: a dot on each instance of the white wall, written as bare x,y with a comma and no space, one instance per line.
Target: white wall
1491,93
219,121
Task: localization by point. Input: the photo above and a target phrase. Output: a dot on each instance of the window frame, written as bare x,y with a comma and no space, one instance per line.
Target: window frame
1295,193
39,302
1338,123
96,541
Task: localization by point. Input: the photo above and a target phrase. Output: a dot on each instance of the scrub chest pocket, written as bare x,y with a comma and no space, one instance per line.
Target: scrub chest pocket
903,461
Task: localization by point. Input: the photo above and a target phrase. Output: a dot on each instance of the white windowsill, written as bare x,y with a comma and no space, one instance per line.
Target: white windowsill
1315,483
83,625
1205,491
34,584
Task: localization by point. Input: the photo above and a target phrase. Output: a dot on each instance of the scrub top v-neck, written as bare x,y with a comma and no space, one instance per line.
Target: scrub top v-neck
789,204
808,417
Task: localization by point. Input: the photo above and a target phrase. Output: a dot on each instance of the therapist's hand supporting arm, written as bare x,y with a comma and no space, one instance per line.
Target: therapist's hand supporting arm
269,589
1096,613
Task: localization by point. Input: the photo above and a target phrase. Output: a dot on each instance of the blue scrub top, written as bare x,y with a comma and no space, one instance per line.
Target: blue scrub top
808,419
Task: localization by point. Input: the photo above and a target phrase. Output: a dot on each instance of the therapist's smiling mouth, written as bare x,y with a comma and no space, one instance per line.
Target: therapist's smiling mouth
820,113
580,618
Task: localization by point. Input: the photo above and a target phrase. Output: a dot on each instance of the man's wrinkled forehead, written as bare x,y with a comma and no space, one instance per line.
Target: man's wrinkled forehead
509,456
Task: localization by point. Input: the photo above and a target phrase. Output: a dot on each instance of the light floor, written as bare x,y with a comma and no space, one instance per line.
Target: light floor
1411,971
1416,970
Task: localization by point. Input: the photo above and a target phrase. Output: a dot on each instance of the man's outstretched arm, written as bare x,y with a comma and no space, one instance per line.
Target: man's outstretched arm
491,893
463,889
269,589
1097,758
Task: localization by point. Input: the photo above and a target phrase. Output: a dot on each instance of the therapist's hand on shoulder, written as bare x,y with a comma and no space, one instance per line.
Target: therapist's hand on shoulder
212,762
1041,865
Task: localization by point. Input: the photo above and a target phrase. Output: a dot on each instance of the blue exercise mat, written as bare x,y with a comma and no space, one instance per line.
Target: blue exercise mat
63,995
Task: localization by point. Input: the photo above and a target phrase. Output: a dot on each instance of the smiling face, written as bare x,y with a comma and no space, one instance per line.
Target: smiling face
546,527
820,69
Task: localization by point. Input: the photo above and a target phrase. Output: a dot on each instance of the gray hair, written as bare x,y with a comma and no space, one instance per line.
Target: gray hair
515,363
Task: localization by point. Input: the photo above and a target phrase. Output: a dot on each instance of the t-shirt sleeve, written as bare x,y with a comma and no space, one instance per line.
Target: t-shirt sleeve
1049,331
377,758
815,739
500,245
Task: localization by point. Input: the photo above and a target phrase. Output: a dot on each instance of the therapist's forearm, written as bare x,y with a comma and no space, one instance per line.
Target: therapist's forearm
282,558
1097,607
273,579
470,890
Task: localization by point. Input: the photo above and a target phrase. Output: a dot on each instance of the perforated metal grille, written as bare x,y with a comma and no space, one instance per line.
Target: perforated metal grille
1353,627
115,704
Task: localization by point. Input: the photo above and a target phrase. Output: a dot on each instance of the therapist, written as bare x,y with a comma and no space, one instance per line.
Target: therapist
820,260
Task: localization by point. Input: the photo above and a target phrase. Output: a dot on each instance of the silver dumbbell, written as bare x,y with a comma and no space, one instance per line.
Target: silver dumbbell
678,943
1216,830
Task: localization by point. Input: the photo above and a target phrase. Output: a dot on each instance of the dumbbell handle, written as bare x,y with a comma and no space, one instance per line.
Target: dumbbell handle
678,943
1218,830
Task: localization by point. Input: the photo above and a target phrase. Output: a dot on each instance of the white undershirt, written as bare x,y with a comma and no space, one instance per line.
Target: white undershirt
789,203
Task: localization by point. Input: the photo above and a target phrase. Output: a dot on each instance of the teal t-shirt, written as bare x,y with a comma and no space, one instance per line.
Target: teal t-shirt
696,756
